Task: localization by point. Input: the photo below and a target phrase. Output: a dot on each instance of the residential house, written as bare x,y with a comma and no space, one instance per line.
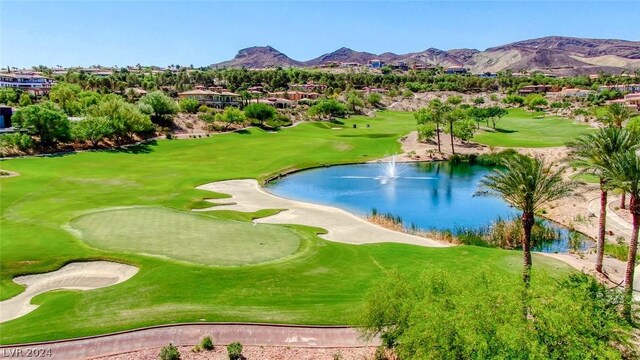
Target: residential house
571,93
486,75
293,95
216,99
349,64
456,70
375,64
534,89
400,65
33,83
631,100
308,87
630,88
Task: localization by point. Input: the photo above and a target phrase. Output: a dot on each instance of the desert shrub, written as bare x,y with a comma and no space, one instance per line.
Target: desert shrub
478,315
189,105
206,343
216,126
15,143
380,353
234,350
169,353
208,118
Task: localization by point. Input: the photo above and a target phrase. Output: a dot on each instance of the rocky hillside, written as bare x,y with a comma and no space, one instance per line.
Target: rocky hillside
260,57
553,54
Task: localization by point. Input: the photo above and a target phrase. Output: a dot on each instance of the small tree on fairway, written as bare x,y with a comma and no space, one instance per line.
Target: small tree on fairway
330,108
451,117
535,103
464,129
529,184
433,114
260,112
495,113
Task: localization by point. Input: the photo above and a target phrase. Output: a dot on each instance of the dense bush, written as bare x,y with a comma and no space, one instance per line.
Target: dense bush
260,113
189,105
440,315
44,121
163,107
206,343
15,143
234,350
169,353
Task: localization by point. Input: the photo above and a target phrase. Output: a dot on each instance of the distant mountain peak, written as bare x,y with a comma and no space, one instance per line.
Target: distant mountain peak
556,54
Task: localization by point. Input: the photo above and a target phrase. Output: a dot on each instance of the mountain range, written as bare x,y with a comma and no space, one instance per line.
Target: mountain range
554,54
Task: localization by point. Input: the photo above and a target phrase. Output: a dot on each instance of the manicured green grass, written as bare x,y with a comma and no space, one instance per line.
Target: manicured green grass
519,129
321,283
185,236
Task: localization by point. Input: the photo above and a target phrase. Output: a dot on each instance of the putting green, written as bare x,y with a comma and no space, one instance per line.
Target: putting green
185,236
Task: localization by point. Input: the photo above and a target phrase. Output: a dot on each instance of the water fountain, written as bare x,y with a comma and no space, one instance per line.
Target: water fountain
391,170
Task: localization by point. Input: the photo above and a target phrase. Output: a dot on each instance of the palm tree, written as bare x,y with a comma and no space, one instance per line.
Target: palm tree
528,183
624,174
617,114
593,152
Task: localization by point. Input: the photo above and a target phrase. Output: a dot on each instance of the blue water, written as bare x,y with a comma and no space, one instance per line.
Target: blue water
429,195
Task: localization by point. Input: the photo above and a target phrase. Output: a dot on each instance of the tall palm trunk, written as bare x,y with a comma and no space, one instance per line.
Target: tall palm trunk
527,226
453,149
601,226
623,200
631,257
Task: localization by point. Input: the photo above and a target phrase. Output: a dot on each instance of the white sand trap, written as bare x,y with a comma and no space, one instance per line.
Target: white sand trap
342,226
75,276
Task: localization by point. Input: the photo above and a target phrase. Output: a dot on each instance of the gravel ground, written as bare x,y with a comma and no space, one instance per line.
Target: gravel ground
258,352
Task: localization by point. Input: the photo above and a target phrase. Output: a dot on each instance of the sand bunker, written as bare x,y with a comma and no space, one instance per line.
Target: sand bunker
342,226
75,276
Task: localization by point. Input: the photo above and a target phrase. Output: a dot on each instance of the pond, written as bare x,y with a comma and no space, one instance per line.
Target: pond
438,195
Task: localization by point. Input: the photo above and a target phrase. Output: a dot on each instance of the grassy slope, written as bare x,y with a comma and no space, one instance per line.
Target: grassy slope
519,129
322,278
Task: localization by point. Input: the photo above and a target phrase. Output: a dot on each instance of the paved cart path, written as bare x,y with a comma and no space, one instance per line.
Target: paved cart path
187,335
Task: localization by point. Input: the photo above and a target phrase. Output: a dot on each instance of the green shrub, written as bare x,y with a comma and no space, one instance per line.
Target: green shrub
15,143
207,343
169,353
438,315
380,353
234,350
208,118
618,251
189,105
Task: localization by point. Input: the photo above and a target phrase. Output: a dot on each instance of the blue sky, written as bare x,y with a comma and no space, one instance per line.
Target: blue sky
204,32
